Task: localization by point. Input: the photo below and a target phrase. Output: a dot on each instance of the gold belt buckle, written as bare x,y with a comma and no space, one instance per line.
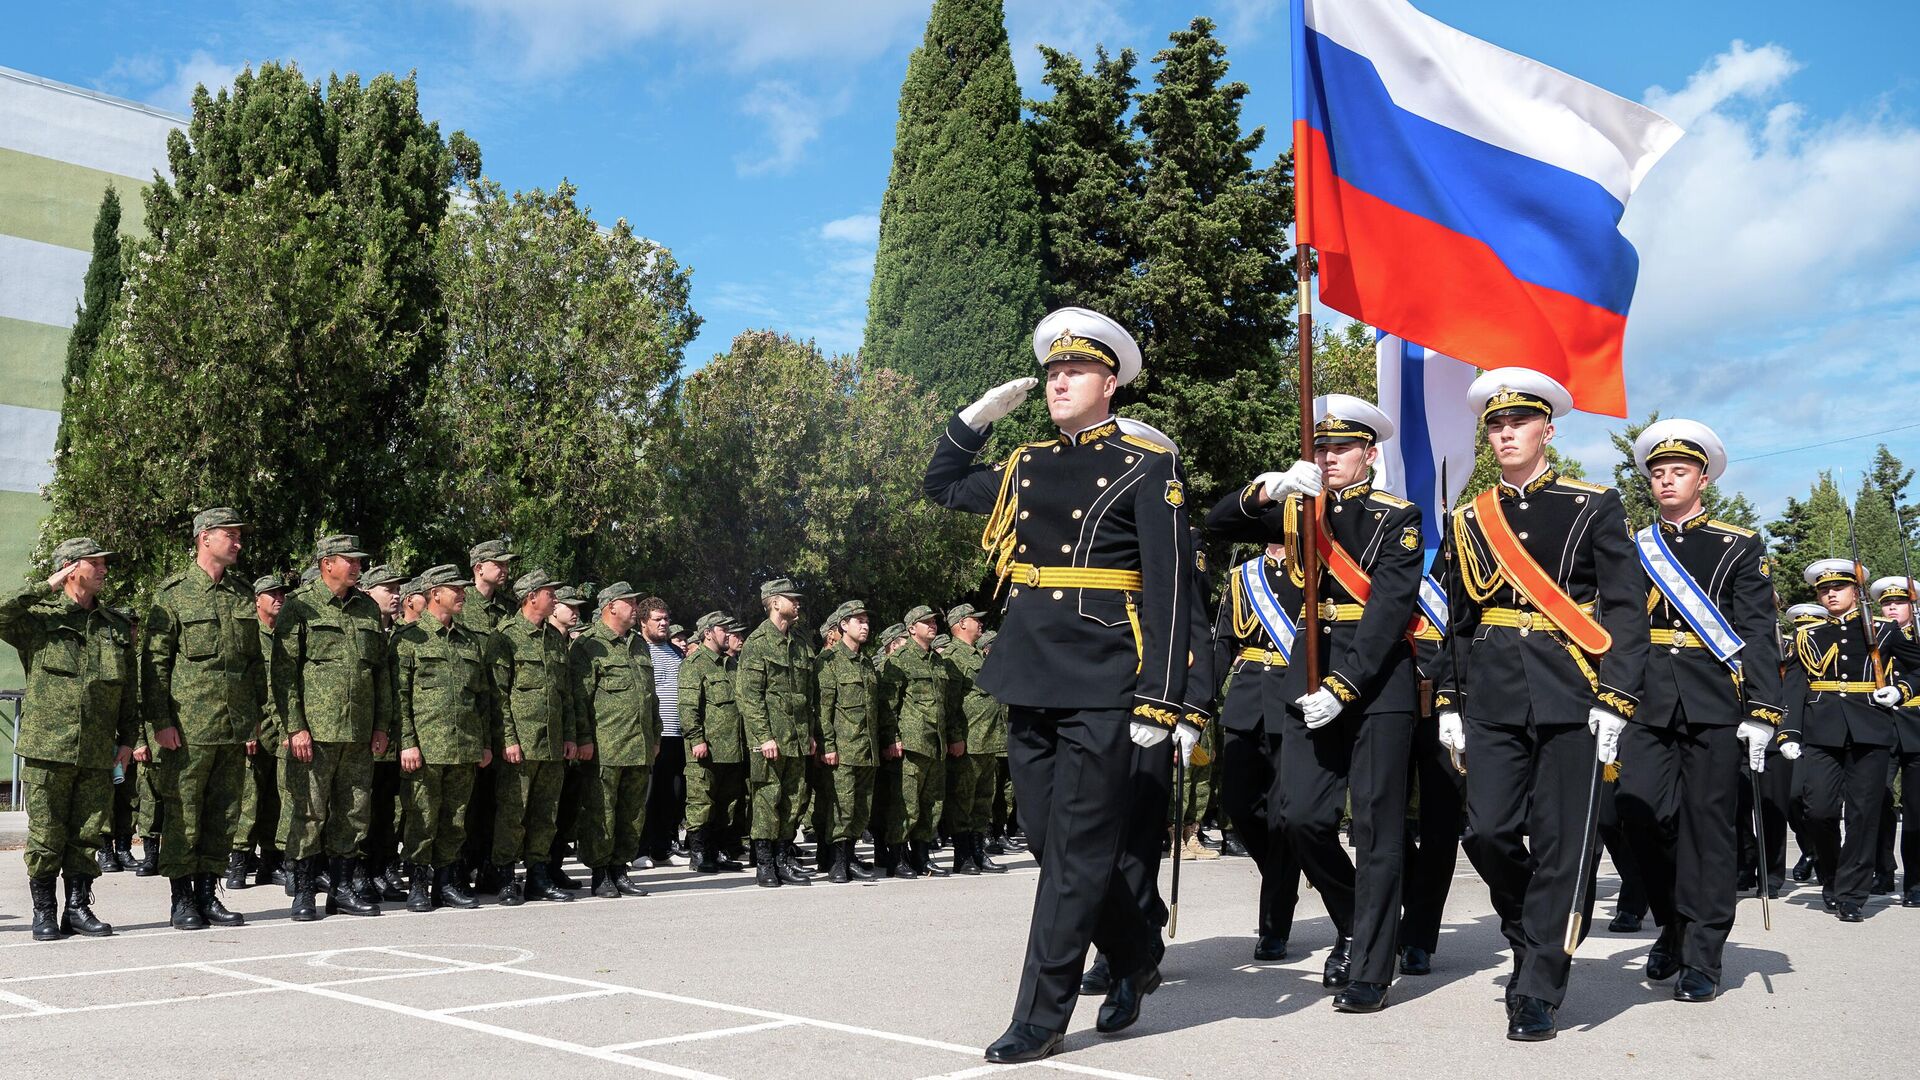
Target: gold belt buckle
1033,577
1525,622
1680,640
1329,610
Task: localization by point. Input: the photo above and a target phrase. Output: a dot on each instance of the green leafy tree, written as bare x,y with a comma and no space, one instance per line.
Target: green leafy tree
564,344
1636,491
1089,166
273,341
104,278
781,460
957,274
1810,529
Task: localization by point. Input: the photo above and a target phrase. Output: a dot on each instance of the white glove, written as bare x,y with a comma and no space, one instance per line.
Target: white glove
1888,696
1185,738
1319,708
1453,731
1790,750
1303,478
1756,735
1606,728
997,403
1144,734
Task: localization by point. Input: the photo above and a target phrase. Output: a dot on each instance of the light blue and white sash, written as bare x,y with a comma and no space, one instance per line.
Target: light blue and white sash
1684,593
1266,607
1433,603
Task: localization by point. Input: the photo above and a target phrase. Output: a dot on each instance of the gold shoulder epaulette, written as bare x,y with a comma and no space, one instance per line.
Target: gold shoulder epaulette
1732,528
1143,444
1582,485
1389,498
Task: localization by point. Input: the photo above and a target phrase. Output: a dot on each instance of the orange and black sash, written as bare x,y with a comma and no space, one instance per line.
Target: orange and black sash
1346,569
1534,583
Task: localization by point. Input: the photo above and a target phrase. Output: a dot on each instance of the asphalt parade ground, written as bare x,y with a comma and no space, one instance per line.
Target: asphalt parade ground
897,980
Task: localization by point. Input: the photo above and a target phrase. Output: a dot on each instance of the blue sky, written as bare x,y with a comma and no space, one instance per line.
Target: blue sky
1780,292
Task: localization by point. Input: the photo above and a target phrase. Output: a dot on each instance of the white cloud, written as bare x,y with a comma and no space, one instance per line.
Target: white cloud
199,69
1074,28
862,229
792,120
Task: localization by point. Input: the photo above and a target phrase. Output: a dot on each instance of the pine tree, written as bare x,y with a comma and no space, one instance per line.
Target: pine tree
104,278
1732,507
1087,163
1808,530
957,274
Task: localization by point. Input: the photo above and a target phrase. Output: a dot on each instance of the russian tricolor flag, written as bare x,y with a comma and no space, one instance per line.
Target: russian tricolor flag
1466,197
1424,394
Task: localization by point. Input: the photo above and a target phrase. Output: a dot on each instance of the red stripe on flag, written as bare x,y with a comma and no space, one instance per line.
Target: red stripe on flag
1412,277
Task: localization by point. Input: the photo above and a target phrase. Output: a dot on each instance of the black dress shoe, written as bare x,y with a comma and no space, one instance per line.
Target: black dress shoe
1270,949
1415,961
1122,1006
1231,845
1625,922
1361,997
1694,986
1803,869
1848,911
1912,899
1099,977
1339,965
1530,1020
1747,881
1663,960
1883,882
1023,1042
1827,901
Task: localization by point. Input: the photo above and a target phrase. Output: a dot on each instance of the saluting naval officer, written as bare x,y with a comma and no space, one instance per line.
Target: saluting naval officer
1548,604
1090,526
1714,666
1352,732
1847,728
1894,596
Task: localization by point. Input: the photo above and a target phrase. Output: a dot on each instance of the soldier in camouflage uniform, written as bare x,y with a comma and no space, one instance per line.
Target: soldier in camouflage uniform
385,585
536,739
716,756
886,773
446,713
986,735
571,608
854,732
260,804
774,693
80,720
619,721
204,693
930,732
488,601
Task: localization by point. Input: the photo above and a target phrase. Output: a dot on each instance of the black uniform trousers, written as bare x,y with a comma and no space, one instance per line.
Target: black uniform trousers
1527,788
1433,853
1249,776
1905,766
666,799
383,831
1776,796
1679,791
1851,780
1632,897
575,776
1362,756
1072,774
1147,833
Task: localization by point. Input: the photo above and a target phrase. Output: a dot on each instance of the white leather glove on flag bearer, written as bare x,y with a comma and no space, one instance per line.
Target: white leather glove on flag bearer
1145,734
1756,735
1318,709
1453,731
1606,728
1185,738
1790,751
997,403
1888,696
1302,479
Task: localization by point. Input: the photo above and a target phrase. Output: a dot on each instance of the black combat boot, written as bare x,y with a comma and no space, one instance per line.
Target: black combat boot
981,858
207,899
344,898
450,890
271,871
788,868
123,853
510,894
766,872
186,914
925,861
836,862
302,887
726,856
963,850
149,857
46,919
603,884
903,861
557,866
78,918
700,854
360,872
237,870
855,868
419,887
392,886
540,884
623,884
103,858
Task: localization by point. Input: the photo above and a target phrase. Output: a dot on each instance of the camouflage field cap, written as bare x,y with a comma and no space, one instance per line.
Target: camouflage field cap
489,551
72,551
676,631
532,581
444,574
963,611
267,583
986,640
780,586
308,575
847,611
919,614
381,574
619,590
710,620
338,544
217,517
892,634
570,594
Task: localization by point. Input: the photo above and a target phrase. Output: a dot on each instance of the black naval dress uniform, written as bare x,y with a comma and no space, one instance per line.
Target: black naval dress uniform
1524,697
1251,719
1367,659
1091,527
1433,852
1681,764
1847,743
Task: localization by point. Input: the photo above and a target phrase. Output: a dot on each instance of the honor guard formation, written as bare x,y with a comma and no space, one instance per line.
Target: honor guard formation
367,736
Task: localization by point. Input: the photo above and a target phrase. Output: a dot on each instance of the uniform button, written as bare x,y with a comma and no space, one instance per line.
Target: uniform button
1679,539
1066,549
1023,515
1102,482
1129,459
1056,449
1023,548
1523,536
1057,594
1015,592
1077,514
1579,498
1675,652
1729,539
1026,457
1026,483
1523,504
1676,624
1337,508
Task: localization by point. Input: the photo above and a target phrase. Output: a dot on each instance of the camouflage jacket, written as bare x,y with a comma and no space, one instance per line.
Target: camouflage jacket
774,689
707,710
918,697
81,704
201,668
853,723
614,696
447,701
536,689
331,671
985,718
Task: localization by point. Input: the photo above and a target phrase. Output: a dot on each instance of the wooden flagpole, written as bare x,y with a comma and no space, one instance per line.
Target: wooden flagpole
1309,529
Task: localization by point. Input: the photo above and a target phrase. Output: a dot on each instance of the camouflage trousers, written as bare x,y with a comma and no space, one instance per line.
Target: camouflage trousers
922,784
201,787
1199,783
330,799
614,813
282,827
436,826
852,800
526,810
776,786
712,789
149,810
971,791
259,804
68,808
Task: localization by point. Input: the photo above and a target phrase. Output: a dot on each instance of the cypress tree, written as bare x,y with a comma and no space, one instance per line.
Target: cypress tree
104,278
957,275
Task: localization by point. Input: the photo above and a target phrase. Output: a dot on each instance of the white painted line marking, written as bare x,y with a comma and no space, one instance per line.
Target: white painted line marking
717,1033
523,1002
25,1002
969,1074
